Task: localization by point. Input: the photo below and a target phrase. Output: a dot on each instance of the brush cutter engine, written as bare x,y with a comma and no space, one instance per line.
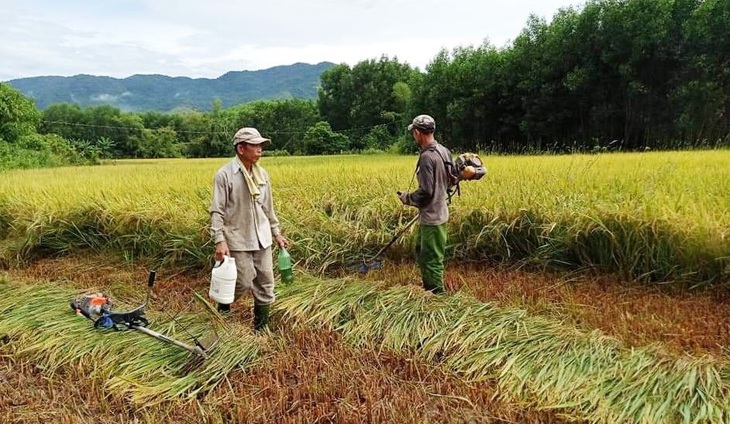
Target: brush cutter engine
98,308
92,305
470,167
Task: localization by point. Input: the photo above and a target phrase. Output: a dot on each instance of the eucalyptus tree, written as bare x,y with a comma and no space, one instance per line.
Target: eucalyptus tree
703,96
373,95
641,72
462,89
335,96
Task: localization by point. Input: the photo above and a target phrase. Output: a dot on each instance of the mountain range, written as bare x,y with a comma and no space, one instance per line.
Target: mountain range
163,93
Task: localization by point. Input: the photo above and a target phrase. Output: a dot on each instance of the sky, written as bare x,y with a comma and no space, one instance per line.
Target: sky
207,38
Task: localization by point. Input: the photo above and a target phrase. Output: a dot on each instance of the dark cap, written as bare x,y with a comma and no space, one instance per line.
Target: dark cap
249,136
424,123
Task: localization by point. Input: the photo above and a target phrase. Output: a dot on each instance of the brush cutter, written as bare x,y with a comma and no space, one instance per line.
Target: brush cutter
466,167
373,262
98,308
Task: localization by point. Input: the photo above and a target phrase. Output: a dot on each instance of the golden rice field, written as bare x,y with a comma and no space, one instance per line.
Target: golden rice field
650,216
359,350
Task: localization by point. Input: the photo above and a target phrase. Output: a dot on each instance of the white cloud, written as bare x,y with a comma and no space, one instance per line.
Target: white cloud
109,98
120,38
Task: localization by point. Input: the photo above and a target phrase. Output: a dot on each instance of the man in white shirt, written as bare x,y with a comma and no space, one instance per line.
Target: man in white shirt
244,225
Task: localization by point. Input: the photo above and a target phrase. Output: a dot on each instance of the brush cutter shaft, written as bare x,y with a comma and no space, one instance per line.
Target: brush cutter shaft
372,263
159,336
395,237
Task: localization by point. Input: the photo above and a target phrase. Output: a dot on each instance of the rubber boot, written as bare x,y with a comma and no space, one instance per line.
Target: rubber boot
224,309
433,288
260,317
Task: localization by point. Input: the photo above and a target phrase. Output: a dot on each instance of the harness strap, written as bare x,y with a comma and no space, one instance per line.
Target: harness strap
451,189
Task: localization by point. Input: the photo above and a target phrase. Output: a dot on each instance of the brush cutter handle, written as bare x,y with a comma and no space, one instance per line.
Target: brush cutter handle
150,283
77,308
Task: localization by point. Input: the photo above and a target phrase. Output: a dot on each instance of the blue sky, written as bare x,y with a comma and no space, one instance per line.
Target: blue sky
205,39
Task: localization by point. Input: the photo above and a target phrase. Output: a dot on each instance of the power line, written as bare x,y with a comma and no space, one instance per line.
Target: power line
228,133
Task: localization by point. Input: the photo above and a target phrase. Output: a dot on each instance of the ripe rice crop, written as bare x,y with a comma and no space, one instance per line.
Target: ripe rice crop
650,216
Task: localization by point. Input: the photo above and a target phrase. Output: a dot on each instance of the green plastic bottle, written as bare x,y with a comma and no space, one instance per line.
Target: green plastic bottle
285,267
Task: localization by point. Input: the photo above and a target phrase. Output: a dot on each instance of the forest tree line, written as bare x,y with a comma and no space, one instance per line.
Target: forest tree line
623,74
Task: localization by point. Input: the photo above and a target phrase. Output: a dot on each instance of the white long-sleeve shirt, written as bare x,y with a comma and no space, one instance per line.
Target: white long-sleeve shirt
243,223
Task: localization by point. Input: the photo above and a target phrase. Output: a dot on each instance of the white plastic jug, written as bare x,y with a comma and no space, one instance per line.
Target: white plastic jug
223,281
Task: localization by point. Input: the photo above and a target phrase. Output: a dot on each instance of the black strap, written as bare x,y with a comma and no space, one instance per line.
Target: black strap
450,189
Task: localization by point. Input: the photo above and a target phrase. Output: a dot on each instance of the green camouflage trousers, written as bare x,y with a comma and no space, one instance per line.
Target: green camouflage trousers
430,251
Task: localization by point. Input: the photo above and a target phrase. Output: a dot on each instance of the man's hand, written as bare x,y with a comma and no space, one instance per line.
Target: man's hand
282,241
403,197
221,250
